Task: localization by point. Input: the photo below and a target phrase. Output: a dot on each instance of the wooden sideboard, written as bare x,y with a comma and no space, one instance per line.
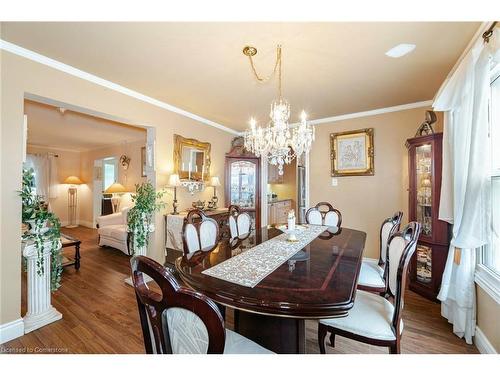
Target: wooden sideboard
174,224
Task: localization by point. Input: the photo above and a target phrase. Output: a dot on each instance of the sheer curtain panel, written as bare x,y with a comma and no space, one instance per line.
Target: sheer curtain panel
465,190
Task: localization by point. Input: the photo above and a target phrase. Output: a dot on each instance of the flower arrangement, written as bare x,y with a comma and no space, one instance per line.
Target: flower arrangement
44,226
140,217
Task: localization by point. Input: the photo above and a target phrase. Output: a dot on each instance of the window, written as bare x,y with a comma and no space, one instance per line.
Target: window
488,269
491,253
110,175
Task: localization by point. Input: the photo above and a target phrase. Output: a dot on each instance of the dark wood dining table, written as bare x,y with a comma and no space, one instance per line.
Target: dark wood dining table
318,282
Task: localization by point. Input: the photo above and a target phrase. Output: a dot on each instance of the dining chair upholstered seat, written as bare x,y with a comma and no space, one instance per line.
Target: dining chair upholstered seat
371,316
199,235
331,217
239,222
372,276
180,320
373,319
188,335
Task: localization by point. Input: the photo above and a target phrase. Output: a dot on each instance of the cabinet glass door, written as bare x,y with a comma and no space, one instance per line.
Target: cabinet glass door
424,264
423,159
243,184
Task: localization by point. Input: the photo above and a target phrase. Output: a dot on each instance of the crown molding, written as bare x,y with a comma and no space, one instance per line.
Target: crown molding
34,56
373,112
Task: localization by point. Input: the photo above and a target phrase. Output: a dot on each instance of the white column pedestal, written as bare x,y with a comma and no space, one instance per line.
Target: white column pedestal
40,310
147,279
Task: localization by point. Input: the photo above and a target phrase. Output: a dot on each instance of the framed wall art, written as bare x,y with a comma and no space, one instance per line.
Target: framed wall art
352,153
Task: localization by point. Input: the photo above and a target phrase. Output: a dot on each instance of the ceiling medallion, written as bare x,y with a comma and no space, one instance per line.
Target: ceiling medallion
249,51
279,142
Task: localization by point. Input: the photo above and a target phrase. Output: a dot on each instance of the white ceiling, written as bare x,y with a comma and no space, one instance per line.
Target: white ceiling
48,127
329,68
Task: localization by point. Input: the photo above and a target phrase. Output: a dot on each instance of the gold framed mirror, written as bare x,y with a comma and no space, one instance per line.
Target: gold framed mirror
191,159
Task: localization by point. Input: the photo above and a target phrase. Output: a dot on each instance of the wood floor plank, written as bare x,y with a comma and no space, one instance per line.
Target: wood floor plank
100,314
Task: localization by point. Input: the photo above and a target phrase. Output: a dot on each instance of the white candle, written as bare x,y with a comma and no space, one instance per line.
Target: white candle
189,172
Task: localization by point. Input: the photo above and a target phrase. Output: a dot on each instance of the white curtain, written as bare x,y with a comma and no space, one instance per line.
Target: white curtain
46,180
53,177
465,190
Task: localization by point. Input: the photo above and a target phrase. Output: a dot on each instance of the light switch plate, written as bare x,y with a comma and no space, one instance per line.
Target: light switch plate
335,181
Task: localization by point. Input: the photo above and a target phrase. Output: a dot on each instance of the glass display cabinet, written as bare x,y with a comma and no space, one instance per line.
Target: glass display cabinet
243,181
425,164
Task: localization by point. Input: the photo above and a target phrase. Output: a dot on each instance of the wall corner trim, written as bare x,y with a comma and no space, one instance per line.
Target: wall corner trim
482,343
488,281
11,330
34,56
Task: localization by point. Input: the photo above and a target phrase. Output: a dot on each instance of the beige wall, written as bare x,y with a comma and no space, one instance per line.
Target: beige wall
21,76
365,201
127,178
287,189
488,313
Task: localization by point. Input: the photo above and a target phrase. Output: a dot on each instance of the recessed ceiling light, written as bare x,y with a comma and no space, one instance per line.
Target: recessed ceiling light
400,50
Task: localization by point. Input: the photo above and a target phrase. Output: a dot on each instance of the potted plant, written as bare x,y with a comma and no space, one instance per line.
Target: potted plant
43,226
140,217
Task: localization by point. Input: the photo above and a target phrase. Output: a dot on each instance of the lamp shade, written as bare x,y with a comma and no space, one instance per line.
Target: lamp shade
174,181
214,181
115,188
73,180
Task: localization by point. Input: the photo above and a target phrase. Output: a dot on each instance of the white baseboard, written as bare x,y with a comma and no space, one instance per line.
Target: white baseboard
11,330
87,224
482,343
83,223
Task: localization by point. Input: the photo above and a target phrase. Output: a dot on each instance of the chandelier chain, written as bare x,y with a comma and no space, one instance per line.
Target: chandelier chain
277,66
278,141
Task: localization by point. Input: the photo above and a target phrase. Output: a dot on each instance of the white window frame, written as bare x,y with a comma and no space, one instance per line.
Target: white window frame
485,277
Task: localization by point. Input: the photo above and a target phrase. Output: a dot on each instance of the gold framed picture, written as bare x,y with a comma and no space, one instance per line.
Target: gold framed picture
352,153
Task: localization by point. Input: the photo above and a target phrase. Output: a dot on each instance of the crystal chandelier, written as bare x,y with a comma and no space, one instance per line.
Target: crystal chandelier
279,141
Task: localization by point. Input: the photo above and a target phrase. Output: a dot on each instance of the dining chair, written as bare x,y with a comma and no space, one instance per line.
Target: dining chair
199,232
373,319
373,275
330,217
239,221
180,320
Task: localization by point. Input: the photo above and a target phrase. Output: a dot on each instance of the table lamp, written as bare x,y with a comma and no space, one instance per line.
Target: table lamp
73,181
174,182
116,189
214,182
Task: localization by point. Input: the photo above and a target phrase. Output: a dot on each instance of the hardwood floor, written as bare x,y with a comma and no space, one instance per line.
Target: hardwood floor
100,314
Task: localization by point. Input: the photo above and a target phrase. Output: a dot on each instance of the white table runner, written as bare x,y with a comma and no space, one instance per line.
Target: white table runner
252,266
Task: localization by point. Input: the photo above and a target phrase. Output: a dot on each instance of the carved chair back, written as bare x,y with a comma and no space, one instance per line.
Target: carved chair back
330,217
199,232
239,222
401,248
179,320
389,227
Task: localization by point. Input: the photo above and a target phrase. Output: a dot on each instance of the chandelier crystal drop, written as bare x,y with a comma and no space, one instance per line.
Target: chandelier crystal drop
279,141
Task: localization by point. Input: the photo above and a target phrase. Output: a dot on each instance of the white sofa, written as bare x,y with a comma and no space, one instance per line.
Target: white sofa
112,230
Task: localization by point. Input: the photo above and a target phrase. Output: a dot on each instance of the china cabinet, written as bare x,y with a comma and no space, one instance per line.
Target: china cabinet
425,164
242,180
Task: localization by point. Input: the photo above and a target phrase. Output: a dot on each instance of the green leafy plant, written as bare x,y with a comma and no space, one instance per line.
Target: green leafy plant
140,217
45,226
